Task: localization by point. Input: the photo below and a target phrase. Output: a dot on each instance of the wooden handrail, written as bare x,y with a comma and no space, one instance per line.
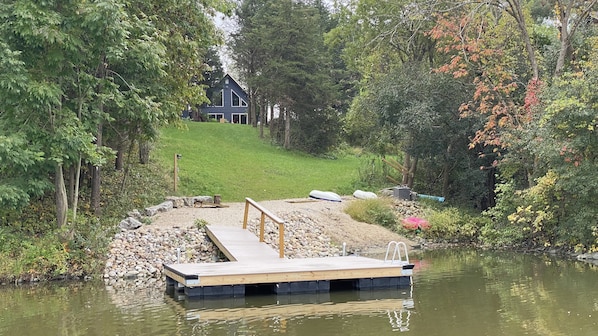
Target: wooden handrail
264,212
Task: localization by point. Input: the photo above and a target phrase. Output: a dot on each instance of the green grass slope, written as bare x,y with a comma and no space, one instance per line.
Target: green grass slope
231,160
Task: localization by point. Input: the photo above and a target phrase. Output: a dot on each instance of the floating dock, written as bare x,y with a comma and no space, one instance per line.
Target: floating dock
255,264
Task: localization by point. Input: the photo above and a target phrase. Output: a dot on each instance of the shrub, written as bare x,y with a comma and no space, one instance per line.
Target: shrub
45,256
374,211
200,223
454,225
501,235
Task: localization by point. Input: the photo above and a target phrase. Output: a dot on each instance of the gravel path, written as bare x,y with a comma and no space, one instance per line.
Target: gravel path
313,229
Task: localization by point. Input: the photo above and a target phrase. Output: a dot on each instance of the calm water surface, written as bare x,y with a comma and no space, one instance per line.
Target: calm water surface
454,293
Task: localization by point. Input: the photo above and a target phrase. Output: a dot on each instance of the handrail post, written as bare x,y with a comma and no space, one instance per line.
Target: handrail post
246,214
264,212
262,221
281,240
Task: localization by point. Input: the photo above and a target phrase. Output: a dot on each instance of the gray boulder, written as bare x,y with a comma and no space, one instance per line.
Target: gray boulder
130,224
162,207
177,202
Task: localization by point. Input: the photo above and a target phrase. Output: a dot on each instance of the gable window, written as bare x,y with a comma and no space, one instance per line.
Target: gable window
217,98
237,100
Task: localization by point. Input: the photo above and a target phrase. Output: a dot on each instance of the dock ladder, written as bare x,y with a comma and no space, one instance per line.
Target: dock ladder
396,254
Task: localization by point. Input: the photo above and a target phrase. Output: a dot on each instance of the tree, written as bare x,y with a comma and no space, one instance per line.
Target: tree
84,75
561,207
212,75
280,49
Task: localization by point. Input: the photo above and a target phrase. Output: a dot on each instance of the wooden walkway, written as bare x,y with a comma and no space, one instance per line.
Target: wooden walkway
255,263
239,244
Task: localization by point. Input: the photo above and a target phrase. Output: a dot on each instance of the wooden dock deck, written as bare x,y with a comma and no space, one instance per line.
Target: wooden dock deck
254,263
239,244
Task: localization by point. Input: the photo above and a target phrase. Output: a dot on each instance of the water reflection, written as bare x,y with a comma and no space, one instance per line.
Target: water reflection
281,312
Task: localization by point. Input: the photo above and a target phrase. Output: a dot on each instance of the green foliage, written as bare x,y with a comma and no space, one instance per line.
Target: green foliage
279,49
374,211
499,231
45,256
558,205
374,173
502,235
200,223
30,246
136,187
88,246
48,256
452,225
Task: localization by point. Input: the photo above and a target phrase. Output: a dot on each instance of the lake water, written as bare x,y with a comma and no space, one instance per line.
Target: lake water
454,293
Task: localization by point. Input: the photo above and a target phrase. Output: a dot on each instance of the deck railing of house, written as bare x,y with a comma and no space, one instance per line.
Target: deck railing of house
263,214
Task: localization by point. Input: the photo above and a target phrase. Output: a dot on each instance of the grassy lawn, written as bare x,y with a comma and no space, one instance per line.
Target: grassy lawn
231,160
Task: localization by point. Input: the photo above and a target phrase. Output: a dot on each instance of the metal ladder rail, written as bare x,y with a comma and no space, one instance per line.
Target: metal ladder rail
397,251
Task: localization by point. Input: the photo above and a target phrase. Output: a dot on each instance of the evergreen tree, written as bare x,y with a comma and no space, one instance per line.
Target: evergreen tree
280,49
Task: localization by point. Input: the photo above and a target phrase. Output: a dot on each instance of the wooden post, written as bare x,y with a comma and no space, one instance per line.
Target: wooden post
264,212
176,177
246,214
281,240
262,221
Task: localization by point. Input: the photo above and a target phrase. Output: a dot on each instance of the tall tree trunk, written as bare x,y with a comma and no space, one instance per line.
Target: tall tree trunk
412,170
123,183
77,175
409,168
263,111
252,107
273,131
120,154
144,151
96,172
446,178
446,170
564,48
75,202
96,177
572,15
405,172
71,183
287,128
61,197
517,13
118,162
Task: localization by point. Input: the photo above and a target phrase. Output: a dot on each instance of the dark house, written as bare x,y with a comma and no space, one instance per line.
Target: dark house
228,104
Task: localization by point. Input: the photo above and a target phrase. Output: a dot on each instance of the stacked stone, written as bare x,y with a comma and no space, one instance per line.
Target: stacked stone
142,253
303,236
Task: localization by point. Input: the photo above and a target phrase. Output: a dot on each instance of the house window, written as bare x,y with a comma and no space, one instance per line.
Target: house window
239,118
216,116
237,100
217,98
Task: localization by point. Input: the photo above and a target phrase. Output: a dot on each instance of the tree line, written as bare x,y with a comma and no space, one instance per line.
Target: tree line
84,82
491,104
488,103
